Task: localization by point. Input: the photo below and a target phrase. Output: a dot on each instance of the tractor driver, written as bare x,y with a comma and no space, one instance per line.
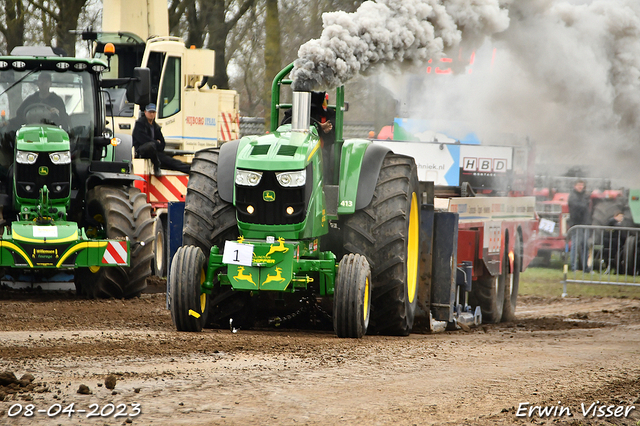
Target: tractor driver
324,119
44,105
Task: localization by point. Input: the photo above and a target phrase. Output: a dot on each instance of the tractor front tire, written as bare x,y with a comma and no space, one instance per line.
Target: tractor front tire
386,233
189,306
352,297
208,221
121,212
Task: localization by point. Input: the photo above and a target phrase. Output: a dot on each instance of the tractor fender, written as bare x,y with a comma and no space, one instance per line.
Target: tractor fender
226,170
371,165
99,178
359,170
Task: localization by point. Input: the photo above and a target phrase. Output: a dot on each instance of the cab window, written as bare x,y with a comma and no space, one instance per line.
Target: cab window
169,99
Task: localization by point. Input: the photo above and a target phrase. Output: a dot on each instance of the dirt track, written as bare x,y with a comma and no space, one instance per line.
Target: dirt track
574,351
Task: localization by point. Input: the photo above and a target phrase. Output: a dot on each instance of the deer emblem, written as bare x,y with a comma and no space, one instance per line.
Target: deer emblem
277,277
279,247
243,277
269,196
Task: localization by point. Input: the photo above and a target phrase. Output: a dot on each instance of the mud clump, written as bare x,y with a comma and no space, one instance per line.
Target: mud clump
10,384
84,390
8,378
110,381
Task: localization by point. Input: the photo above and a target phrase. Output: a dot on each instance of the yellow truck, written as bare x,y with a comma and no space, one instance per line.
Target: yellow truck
193,115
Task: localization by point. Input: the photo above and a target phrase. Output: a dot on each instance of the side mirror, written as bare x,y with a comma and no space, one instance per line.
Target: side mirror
101,141
139,92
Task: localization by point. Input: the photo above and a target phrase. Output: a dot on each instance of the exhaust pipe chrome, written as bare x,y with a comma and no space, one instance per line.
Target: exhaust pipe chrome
301,112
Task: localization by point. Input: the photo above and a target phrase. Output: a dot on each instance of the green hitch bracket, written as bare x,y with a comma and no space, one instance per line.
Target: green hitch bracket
215,263
327,268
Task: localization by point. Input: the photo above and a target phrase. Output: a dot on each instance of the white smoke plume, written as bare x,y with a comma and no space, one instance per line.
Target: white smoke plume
393,33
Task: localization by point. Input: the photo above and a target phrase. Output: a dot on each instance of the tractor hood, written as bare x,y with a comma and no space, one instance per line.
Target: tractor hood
42,138
281,150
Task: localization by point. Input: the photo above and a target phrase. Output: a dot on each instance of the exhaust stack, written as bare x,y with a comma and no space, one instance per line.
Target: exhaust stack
301,112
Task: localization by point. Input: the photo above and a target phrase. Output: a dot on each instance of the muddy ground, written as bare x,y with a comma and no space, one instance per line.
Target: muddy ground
559,353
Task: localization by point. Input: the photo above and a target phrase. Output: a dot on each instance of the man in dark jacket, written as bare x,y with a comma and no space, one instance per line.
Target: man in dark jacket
149,143
579,214
44,98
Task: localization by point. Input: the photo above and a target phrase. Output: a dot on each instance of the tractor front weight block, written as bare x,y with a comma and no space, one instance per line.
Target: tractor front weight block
271,266
63,245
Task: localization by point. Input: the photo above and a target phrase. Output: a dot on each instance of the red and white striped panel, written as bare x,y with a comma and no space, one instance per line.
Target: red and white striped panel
167,188
116,253
229,127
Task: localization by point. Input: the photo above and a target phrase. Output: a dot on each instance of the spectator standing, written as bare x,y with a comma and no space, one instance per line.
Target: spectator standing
579,214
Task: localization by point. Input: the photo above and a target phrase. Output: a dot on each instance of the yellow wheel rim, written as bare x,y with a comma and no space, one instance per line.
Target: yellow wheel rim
94,269
365,312
203,296
413,248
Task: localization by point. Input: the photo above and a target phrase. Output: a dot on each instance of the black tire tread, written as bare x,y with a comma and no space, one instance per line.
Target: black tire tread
348,298
126,214
185,291
209,221
379,233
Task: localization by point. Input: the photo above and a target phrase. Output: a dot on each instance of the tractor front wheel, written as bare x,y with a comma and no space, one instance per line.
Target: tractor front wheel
189,306
352,297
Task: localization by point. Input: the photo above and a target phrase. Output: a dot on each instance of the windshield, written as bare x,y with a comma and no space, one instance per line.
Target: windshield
47,97
62,99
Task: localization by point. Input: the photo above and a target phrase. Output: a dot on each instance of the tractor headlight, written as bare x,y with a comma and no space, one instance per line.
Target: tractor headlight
248,178
62,157
26,157
289,179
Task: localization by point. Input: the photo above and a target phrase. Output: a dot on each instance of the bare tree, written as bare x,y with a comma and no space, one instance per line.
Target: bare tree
65,14
272,53
13,25
246,47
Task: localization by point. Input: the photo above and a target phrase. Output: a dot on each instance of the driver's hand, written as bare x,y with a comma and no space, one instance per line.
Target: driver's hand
54,111
326,126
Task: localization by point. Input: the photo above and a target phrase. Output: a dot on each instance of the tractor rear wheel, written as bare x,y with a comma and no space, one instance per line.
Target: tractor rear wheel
386,232
189,306
352,297
120,212
208,221
512,282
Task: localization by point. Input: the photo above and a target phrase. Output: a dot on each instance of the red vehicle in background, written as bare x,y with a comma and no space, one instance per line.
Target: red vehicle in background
552,206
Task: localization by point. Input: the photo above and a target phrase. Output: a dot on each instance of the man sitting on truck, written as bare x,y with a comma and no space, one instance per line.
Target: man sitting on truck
149,143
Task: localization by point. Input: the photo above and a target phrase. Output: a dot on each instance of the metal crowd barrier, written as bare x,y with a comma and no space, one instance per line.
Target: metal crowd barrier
603,255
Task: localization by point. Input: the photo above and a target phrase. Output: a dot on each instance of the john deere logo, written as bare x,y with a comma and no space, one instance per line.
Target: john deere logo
43,170
269,196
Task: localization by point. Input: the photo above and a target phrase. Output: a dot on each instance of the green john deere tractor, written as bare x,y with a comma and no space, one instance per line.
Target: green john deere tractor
67,202
265,230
